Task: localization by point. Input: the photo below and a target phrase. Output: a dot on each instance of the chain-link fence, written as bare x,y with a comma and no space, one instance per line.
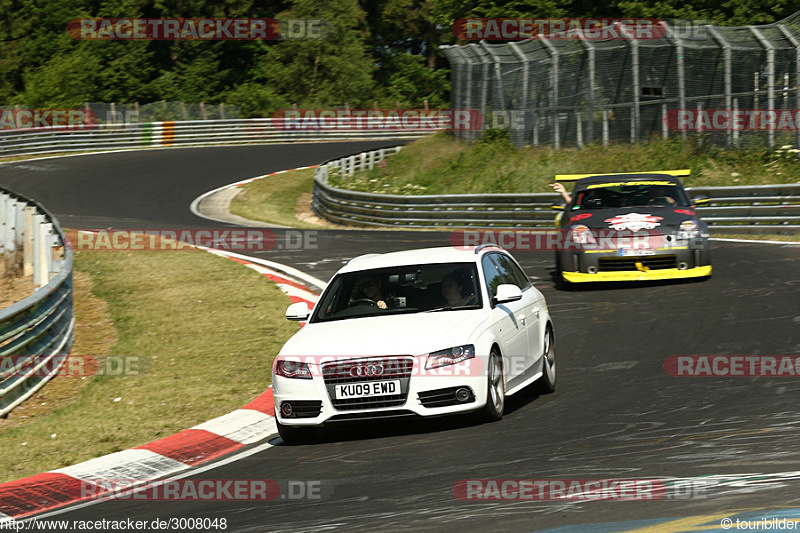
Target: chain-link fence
112,113
695,80
115,113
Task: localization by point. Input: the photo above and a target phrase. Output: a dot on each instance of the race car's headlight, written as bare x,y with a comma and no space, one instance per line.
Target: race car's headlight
292,369
450,356
688,229
582,235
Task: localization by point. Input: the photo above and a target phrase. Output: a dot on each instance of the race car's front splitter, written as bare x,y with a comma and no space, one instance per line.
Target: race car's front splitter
636,275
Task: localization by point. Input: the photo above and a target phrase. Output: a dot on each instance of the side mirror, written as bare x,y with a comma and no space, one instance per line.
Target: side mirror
507,293
701,200
297,311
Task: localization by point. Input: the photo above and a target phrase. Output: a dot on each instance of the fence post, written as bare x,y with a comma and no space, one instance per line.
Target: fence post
635,108
681,71
699,124
735,131
40,272
203,111
9,224
556,140
48,240
484,82
19,235
664,128
605,127
525,86
726,54
633,123
578,130
770,79
27,241
590,101
796,43
498,74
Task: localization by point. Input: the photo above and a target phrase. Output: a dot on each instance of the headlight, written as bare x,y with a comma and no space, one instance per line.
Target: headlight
292,369
450,356
582,235
688,229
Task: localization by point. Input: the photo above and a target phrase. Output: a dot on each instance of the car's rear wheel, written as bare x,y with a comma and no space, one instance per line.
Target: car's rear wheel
547,383
293,434
496,388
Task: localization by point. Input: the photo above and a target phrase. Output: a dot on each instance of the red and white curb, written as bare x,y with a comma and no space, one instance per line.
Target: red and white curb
168,456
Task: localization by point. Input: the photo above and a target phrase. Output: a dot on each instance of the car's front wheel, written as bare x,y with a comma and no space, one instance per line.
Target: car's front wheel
496,388
293,434
547,383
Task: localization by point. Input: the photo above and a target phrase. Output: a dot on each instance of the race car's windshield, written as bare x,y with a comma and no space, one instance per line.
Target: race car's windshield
631,194
400,290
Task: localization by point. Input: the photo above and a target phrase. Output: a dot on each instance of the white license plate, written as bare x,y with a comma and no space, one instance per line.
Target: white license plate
624,252
367,389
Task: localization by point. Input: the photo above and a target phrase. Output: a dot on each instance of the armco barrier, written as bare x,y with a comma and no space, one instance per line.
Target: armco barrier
185,133
36,332
747,209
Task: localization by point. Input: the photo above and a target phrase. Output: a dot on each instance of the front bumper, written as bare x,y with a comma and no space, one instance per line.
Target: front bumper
424,393
668,273
689,258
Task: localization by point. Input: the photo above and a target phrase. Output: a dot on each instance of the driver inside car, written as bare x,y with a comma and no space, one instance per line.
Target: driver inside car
370,288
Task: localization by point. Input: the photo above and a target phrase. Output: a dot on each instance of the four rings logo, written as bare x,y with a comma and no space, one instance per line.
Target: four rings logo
370,369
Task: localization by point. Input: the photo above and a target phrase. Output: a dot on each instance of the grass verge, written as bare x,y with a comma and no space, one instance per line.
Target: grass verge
207,328
442,165
283,199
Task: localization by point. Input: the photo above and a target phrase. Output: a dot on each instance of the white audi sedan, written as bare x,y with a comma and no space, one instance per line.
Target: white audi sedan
427,332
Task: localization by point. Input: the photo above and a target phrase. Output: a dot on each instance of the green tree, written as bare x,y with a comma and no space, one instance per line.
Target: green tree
333,70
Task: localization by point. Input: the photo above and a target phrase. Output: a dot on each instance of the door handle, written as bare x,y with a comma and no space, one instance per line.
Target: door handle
521,319
536,311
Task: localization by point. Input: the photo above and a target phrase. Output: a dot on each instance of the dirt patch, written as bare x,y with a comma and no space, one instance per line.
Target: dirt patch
15,285
304,212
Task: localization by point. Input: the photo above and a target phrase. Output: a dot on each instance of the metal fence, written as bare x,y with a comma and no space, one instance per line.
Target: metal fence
570,92
124,113
773,209
188,133
36,332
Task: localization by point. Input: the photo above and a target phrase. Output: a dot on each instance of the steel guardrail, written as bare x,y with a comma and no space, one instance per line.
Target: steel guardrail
179,133
740,209
36,332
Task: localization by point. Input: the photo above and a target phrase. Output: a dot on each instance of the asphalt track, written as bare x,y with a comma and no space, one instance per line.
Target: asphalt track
616,413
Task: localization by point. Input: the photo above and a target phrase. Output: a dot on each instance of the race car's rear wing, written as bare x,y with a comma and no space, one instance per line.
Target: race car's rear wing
575,177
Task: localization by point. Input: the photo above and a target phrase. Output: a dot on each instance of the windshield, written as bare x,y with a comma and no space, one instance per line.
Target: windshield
400,290
642,194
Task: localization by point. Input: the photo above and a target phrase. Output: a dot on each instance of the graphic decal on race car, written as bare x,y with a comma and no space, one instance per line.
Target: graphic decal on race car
634,221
